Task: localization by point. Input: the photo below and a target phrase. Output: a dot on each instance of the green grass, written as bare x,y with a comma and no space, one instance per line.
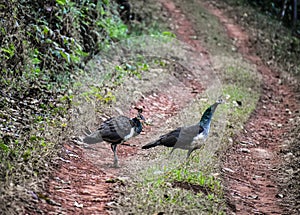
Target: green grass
160,193
243,86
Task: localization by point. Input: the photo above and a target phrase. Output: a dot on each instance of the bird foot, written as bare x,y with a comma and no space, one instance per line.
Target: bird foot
116,164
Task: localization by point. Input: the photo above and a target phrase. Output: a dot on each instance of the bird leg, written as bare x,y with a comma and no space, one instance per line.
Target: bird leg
189,152
172,150
114,149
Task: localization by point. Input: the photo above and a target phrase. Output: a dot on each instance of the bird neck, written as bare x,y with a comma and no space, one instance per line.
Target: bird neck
207,116
137,125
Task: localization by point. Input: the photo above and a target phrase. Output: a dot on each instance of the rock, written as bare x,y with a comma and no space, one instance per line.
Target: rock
279,195
228,170
253,196
77,205
245,150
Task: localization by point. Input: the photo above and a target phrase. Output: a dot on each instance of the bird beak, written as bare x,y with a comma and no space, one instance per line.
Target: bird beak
143,118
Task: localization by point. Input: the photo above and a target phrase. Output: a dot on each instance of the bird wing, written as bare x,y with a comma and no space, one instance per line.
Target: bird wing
187,136
115,129
169,139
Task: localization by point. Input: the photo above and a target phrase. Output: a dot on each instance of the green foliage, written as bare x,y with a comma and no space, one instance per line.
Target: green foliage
133,70
189,175
44,46
4,147
168,34
96,94
116,29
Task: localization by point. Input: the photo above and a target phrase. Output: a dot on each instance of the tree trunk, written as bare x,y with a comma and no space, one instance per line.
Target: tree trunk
294,9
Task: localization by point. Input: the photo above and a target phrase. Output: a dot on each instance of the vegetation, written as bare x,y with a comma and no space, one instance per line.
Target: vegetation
287,11
44,50
279,48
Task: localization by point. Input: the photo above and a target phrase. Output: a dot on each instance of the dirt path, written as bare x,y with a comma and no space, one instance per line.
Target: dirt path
83,183
254,158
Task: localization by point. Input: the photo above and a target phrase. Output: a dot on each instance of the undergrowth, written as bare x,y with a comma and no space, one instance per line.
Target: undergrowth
44,49
271,39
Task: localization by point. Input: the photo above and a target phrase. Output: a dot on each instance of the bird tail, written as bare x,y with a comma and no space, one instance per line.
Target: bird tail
92,138
150,145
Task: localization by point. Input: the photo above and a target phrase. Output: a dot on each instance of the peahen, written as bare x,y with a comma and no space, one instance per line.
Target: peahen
116,130
186,137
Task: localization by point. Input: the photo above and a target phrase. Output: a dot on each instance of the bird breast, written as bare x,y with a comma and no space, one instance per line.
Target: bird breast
200,136
128,136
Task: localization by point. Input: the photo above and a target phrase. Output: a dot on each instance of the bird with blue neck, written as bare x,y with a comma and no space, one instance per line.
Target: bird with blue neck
186,137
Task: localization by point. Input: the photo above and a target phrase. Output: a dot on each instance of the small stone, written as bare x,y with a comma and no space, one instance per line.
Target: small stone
290,171
253,196
279,195
228,170
288,111
244,142
73,155
111,203
215,174
77,205
245,150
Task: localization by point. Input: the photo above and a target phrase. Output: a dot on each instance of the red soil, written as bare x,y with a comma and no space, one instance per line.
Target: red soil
254,157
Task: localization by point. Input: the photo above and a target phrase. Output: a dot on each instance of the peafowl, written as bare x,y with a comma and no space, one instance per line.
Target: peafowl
116,130
185,137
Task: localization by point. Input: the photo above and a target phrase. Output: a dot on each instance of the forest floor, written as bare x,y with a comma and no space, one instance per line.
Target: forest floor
85,182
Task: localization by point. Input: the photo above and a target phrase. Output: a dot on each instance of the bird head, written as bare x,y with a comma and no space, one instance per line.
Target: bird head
139,115
139,120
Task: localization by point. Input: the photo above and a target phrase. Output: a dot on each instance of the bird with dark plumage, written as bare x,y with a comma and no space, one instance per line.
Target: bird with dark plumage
116,130
186,137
